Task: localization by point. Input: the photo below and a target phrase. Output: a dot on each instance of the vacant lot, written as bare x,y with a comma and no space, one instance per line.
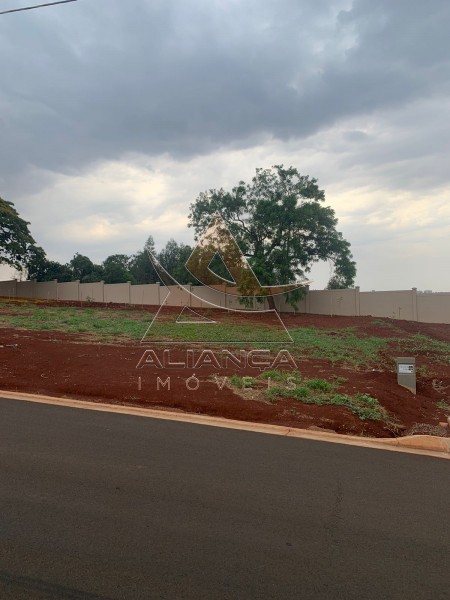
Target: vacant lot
344,378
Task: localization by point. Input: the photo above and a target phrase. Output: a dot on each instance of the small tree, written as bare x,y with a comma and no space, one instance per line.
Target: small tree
84,269
47,270
140,265
116,269
173,258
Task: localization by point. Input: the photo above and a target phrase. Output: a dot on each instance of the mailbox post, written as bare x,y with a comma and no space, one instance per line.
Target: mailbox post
406,373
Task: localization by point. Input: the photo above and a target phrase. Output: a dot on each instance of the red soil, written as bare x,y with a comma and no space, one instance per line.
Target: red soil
72,366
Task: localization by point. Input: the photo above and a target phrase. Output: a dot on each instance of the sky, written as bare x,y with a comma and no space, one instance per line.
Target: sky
115,116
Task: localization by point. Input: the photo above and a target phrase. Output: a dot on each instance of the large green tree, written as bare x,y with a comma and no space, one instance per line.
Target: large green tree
281,225
17,246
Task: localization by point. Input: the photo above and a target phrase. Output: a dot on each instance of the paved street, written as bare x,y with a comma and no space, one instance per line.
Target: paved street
100,506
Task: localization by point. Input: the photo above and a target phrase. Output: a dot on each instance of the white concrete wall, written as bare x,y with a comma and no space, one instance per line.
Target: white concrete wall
213,298
118,293
400,304
283,305
333,302
47,290
395,305
433,308
27,289
150,294
177,296
92,292
8,289
68,291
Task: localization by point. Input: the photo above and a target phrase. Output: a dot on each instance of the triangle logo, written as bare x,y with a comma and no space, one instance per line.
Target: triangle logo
189,316
216,265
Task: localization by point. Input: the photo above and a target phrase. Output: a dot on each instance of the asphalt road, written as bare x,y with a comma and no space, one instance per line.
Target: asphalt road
97,506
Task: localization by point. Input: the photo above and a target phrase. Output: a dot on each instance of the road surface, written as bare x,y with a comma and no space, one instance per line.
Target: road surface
102,506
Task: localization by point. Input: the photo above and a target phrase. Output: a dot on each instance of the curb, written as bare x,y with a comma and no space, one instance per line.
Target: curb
415,444
419,444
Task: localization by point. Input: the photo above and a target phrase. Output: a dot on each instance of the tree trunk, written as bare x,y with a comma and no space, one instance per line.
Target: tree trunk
271,301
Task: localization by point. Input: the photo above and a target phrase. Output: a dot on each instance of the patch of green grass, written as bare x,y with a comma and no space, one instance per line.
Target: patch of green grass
321,385
101,324
301,392
226,332
340,345
380,323
363,405
422,344
133,324
424,371
345,346
443,405
236,381
242,382
323,392
284,376
272,396
338,380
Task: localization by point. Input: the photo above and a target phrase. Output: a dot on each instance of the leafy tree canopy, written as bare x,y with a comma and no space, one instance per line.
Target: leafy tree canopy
140,265
83,268
281,225
173,258
42,269
116,269
17,247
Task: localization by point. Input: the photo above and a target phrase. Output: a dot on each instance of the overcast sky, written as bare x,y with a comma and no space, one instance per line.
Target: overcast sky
115,115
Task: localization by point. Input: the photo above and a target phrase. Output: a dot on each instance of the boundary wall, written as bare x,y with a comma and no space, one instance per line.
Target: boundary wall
398,304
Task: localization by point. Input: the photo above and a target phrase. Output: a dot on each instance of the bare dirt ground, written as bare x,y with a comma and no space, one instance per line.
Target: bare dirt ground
74,366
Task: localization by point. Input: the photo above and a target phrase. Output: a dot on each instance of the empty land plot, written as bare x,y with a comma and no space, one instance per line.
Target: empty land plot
344,377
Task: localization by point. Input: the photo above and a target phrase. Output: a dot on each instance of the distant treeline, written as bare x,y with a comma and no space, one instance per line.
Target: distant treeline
117,268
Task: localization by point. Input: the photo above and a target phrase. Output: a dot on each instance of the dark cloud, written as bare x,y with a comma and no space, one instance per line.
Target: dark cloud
104,105
99,78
